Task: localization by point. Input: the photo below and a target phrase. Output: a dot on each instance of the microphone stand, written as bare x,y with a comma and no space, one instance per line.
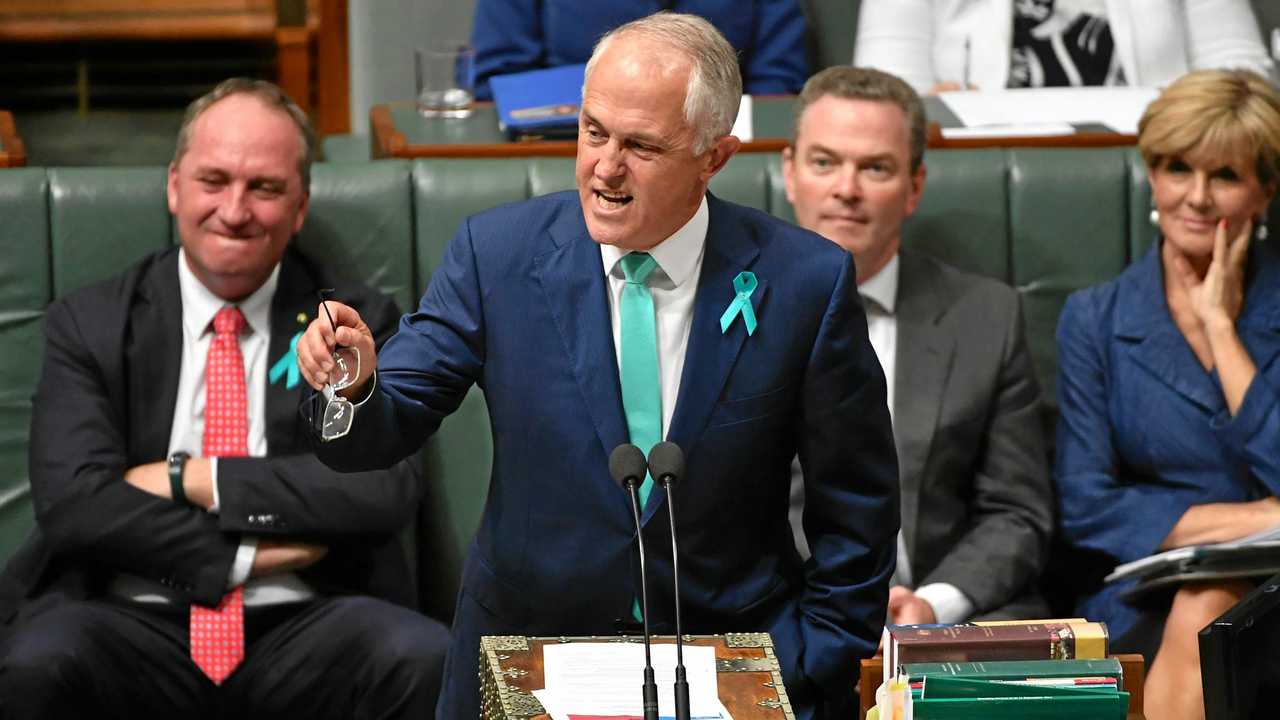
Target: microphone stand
650,688
682,683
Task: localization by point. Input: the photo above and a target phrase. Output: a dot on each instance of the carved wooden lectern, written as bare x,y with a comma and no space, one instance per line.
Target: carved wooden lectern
748,678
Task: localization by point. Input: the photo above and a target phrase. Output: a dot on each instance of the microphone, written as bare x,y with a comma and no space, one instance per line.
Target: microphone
666,462
628,468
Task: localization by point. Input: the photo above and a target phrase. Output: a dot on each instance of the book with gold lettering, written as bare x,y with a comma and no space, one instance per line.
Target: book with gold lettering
1047,640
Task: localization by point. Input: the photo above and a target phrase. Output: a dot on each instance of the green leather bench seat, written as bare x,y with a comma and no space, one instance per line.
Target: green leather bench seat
24,291
1046,221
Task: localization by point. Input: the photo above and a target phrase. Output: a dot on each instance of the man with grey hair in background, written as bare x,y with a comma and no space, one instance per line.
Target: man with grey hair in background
638,308
191,557
976,501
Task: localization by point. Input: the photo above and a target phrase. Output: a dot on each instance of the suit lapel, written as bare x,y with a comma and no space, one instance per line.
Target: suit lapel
710,356
571,275
1155,343
295,298
154,350
921,368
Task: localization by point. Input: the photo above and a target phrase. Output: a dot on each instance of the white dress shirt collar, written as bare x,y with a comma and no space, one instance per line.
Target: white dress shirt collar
678,256
199,304
882,288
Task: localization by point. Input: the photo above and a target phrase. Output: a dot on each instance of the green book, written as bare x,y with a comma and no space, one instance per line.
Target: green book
944,687
1093,706
1019,669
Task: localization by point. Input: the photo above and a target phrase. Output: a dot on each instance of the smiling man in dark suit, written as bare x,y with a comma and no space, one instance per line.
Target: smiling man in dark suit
240,577
976,500
641,307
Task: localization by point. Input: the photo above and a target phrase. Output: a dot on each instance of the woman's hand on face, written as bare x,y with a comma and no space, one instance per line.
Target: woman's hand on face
1218,296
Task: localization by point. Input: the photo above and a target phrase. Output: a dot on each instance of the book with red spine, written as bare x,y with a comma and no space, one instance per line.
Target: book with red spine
1045,640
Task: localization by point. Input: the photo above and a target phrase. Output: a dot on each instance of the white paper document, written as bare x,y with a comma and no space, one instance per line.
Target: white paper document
604,680
1119,108
1028,130
1267,538
743,127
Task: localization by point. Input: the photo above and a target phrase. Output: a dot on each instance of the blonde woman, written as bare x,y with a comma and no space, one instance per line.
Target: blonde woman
1168,375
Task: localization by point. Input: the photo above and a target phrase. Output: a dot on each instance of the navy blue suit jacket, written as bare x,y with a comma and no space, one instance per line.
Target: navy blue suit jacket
519,306
519,35
1144,431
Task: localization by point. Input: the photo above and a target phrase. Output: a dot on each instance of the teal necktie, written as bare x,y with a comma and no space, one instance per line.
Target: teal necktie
641,387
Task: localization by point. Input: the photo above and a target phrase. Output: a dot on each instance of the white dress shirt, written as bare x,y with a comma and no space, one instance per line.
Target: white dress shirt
880,298
672,285
930,41
199,306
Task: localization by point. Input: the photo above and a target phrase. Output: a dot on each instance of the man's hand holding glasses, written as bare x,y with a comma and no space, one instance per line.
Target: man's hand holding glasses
336,356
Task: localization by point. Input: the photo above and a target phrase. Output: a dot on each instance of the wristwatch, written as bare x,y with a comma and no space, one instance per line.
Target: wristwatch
178,462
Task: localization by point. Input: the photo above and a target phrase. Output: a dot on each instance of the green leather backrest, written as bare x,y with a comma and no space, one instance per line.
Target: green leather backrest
25,289
963,217
1068,210
102,220
361,221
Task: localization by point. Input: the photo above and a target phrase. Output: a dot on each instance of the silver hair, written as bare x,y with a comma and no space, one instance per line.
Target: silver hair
715,83
272,96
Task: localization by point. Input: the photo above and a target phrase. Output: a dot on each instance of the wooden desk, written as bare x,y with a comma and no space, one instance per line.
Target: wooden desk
399,132
1135,676
12,152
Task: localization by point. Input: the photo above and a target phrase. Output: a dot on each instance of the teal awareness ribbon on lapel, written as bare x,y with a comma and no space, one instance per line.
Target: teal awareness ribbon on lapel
287,365
744,284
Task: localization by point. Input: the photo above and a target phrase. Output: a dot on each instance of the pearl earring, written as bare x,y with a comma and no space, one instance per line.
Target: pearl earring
1262,232
1154,217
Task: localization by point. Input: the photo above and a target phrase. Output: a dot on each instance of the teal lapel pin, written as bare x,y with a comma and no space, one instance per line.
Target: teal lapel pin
744,284
287,365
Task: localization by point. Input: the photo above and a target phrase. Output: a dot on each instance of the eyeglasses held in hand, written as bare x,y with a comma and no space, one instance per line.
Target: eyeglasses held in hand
334,421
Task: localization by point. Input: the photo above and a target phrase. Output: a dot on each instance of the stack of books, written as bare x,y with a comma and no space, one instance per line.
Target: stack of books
1034,670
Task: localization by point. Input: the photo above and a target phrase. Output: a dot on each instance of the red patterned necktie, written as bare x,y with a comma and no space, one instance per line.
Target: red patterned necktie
217,634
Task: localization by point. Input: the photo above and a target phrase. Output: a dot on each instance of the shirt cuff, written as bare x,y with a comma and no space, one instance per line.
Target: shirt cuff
949,604
213,481
243,564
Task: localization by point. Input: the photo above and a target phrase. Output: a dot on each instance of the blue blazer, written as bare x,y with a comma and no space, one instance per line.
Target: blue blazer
1144,432
519,306
518,35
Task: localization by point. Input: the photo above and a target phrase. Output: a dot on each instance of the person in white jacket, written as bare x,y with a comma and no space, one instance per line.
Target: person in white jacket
938,45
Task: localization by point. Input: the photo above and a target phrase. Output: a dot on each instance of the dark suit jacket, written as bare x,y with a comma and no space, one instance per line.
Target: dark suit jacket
519,306
977,506
104,404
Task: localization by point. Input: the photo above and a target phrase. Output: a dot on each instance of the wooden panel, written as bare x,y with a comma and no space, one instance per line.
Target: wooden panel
98,20
333,78
293,64
54,20
12,151
397,132
1135,678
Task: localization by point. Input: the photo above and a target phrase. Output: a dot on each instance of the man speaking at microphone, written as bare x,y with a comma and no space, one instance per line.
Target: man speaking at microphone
641,308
